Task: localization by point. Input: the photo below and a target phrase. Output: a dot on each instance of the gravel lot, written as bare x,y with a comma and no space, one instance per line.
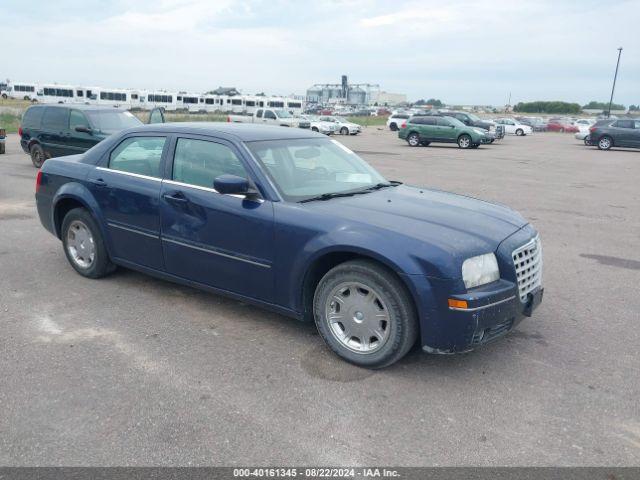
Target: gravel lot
130,370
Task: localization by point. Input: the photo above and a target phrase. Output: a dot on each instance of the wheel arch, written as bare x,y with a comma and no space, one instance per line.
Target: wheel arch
325,261
75,195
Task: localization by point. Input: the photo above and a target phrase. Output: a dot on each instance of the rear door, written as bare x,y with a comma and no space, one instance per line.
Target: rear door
55,125
624,133
429,129
224,241
126,185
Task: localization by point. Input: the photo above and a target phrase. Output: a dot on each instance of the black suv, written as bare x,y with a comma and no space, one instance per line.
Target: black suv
57,130
471,120
619,133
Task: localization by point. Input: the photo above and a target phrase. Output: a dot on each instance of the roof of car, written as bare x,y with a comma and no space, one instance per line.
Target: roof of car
245,132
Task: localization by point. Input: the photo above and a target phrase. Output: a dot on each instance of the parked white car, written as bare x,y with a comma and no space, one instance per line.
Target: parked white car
584,124
319,125
513,127
343,126
396,120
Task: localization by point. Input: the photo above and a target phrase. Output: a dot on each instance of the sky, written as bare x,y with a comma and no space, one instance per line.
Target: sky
462,52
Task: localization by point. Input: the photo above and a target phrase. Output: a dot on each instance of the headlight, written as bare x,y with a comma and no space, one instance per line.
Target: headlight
479,270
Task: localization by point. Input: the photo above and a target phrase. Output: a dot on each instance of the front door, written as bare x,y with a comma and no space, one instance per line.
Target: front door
224,241
446,130
79,141
127,188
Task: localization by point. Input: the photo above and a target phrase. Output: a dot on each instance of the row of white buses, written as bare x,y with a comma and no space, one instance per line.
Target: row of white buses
147,100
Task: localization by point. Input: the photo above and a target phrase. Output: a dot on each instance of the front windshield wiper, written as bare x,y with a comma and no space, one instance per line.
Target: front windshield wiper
328,196
378,186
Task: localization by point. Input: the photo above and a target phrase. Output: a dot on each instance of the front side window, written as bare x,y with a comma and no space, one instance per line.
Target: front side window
77,119
270,115
305,168
624,124
140,155
199,162
112,121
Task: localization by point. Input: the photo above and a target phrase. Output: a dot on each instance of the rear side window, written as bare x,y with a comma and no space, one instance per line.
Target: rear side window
199,162
443,122
139,155
55,118
417,120
32,117
624,124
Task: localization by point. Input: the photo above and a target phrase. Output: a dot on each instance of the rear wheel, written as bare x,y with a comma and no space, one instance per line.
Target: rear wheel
587,141
425,144
83,244
393,127
344,131
37,155
605,143
413,139
4,96
365,314
314,129
464,141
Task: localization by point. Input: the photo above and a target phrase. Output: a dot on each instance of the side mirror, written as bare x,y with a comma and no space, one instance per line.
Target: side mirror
84,129
234,185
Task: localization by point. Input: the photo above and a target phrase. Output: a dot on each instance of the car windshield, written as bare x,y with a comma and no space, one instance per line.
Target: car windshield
305,168
473,117
112,121
283,114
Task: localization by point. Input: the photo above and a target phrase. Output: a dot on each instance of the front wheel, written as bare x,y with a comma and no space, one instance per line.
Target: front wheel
83,244
344,131
464,141
37,155
520,132
364,314
413,139
314,129
605,143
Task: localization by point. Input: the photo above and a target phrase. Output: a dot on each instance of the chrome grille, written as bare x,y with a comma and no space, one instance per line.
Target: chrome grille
527,260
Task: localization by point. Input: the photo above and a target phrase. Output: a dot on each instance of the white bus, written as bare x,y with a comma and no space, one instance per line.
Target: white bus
212,103
190,101
54,93
111,96
167,100
24,91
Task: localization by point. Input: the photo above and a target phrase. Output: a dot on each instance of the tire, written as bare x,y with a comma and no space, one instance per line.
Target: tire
26,97
587,141
83,244
464,141
344,131
520,132
425,144
413,139
314,129
37,155
475,146
393,127
4,96
605,143
368,291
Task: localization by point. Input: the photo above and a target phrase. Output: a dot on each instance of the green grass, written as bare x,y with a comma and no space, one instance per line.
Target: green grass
10,122
368,121
185,117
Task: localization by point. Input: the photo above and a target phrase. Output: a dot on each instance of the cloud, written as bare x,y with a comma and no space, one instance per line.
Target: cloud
461,51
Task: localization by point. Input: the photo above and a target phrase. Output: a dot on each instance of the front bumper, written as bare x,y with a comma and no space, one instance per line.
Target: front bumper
492,310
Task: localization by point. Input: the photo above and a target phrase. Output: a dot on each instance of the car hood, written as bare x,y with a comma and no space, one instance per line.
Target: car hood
458,225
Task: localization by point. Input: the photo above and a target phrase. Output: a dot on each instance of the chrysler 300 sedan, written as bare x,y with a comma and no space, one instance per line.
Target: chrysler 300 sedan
296,222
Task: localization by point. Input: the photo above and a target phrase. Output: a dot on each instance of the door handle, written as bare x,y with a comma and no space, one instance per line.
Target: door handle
176,198
98,182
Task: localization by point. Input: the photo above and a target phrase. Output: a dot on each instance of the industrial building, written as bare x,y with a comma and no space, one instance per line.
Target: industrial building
346,93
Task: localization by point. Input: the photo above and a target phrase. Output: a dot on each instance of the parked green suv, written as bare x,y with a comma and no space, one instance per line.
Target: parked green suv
423,130
57,130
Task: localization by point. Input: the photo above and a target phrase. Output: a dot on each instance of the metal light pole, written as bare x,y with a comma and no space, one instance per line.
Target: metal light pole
614,82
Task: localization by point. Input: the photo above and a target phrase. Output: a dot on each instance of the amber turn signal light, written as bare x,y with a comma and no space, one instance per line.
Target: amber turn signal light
453,303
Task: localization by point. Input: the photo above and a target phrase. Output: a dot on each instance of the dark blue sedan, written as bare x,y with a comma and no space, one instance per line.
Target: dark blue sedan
297,223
